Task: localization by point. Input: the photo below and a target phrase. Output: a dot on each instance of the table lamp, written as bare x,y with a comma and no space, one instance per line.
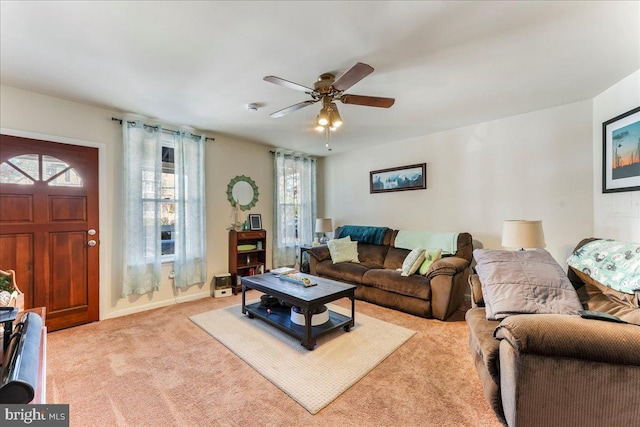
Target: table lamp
522,234
323,225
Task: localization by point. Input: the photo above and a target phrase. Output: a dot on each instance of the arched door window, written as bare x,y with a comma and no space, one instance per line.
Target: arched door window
27,169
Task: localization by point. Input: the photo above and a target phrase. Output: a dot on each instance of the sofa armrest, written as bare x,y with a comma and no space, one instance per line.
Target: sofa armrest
448,266
477,300
320,253
571,336
448,280
317,254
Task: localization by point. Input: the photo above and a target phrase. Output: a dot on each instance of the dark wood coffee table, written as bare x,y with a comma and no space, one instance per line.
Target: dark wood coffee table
308,299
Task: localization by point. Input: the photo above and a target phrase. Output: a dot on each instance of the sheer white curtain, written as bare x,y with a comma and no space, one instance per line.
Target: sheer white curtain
294,205
190,260
141,193
143,201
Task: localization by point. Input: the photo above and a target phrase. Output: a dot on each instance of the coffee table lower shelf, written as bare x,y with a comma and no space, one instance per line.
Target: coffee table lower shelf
280,317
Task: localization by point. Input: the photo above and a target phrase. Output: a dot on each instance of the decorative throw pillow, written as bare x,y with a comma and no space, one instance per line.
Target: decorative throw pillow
430,256
343,250
412,262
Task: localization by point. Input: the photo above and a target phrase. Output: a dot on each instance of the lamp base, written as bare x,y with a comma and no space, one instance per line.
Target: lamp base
324,239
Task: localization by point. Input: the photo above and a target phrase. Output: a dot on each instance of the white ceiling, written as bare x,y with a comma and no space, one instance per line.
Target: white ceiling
447,64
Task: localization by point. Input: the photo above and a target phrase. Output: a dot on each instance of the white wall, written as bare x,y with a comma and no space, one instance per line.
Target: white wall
532,166
34,115
541,165
616,215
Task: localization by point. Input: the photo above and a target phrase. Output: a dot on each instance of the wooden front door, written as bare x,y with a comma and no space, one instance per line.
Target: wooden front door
49,226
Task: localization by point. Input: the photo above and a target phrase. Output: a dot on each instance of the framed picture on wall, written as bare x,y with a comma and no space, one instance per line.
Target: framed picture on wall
255,222
412,177
621,153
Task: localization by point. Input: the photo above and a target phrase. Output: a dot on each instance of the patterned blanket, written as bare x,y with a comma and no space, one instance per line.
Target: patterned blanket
612,263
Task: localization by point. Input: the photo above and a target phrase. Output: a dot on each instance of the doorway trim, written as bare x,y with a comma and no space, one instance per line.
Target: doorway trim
106,233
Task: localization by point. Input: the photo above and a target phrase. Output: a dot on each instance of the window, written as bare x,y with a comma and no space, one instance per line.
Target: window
163,202
168,205
25,170
295,206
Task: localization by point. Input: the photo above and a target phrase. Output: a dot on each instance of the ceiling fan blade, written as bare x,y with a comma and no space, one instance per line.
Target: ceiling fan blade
291,109
287,83
369,101
352,76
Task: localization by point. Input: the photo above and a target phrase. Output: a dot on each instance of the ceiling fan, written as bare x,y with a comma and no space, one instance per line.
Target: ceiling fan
328,90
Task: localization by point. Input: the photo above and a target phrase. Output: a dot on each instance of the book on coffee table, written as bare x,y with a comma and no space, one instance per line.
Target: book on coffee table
284,270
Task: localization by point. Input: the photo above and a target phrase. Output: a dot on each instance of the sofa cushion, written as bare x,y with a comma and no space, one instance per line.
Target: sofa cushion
343,250
412,262
395,257
344,272
595,299
372,254
631,300
390,280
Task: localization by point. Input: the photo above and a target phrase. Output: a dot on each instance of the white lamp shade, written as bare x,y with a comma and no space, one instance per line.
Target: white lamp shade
522,234
323,225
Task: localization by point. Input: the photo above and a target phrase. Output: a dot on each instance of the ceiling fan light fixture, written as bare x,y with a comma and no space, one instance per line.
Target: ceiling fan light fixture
319,128
323,117
336,120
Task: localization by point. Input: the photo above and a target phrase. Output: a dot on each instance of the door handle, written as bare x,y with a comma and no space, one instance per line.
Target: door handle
91,232
91,243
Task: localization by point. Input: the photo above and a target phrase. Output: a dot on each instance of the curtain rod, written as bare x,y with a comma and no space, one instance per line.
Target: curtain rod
293,155
206,138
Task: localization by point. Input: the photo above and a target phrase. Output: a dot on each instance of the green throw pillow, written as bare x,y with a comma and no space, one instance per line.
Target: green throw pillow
430,258
412,262
343,250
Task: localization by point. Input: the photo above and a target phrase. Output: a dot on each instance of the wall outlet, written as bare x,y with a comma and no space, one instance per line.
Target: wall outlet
172,274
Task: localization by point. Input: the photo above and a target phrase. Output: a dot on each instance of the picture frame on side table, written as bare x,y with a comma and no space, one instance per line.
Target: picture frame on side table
255,222
621,153
412,177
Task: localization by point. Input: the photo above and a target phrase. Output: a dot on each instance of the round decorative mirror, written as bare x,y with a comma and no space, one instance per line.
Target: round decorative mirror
243,190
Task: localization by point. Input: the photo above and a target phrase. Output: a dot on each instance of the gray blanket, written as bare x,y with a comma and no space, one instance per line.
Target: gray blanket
517,282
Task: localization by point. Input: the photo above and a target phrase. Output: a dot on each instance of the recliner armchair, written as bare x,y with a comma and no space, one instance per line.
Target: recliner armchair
558,370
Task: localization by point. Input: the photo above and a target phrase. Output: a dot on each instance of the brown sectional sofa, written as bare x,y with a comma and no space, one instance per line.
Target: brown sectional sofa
557,369
437,294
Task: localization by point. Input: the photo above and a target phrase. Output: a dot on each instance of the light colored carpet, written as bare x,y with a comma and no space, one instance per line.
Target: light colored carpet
158,368
312,378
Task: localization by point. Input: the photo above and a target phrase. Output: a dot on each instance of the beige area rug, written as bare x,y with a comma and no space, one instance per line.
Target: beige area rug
312,378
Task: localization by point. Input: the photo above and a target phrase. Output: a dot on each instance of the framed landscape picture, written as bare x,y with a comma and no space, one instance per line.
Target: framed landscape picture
412,177
621,153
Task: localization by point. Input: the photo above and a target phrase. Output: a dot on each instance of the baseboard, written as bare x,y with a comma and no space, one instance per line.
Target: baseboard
159,304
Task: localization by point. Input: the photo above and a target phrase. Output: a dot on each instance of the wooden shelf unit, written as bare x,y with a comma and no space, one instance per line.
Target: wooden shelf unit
246,263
